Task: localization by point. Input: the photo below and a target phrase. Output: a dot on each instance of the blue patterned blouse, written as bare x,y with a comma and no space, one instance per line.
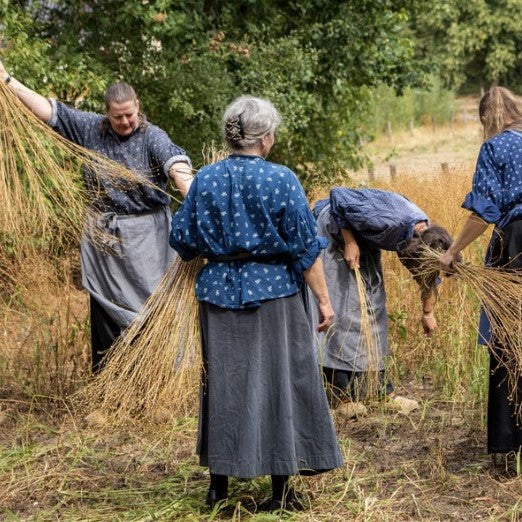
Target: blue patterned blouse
148,151
378,218
245,204
496,194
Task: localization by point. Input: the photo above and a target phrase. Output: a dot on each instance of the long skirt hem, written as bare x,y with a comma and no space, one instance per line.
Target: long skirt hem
305,467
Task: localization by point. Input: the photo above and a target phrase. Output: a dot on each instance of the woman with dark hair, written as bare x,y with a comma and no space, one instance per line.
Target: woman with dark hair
263,409
496,198
358,224
117,278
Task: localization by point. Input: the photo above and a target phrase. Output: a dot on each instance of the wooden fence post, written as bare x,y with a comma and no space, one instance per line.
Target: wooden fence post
393,171
389,130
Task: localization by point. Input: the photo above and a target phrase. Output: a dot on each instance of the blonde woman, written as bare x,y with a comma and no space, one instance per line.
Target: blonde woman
496,198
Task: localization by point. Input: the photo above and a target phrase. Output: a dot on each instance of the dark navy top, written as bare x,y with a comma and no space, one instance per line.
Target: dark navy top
245,204
148,151
496,194
379,219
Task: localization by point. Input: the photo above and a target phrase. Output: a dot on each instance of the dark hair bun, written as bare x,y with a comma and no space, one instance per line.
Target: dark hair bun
234,130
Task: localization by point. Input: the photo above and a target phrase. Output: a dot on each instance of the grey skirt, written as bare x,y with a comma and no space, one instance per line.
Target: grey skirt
343,347
263,409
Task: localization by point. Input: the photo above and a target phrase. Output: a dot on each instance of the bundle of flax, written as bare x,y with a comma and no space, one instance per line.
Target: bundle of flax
368,340
500,293
43,199
152,371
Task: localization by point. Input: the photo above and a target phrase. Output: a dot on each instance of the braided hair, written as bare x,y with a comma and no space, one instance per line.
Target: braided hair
234,130
247,119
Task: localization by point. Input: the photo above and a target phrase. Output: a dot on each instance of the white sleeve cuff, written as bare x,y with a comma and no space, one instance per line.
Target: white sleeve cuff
54,114
175,159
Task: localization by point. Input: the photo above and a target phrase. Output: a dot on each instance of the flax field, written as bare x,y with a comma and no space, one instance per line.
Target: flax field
59,463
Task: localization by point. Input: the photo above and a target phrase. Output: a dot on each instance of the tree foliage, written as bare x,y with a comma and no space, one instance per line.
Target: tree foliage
475,42
316,60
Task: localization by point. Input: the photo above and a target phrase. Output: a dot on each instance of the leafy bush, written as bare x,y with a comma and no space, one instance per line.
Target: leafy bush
316,59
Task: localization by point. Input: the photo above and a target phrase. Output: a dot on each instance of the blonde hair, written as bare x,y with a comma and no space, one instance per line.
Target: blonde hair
499,110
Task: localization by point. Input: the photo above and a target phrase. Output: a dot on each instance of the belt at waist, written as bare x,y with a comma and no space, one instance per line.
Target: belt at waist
248,256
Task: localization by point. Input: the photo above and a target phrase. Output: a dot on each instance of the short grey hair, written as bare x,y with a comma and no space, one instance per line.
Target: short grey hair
247,119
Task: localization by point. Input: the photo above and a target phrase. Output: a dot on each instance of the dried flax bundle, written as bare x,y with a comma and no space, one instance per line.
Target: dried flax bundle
368,340
500,293
43,198
152,371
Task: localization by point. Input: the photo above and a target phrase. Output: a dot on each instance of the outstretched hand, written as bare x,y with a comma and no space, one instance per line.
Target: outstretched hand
446,261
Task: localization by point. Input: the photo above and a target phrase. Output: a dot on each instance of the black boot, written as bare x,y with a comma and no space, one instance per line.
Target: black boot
218,489
283,496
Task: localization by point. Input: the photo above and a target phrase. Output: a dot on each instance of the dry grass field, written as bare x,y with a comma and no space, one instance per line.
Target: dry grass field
428,465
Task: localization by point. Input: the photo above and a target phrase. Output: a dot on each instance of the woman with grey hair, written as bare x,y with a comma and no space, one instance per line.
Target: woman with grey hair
263,409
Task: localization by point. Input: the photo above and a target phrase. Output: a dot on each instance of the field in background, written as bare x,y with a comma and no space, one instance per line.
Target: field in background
430,465
424,150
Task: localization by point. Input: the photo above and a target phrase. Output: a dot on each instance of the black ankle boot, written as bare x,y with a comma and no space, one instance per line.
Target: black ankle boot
218,489
292,501
283,496
214,496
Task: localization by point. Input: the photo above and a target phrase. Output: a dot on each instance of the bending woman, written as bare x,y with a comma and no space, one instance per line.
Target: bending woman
263,409
496,197
358,224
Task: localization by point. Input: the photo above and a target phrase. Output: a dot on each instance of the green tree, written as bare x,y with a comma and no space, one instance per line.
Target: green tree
473,42
316,59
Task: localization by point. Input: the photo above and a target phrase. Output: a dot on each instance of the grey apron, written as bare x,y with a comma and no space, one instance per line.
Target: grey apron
123,276
343,347
263,408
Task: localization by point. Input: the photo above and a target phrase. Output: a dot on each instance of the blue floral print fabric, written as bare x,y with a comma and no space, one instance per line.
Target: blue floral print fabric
248,206
496,194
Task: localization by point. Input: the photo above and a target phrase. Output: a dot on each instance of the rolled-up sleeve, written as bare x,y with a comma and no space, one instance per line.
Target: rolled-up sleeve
164,152
300,234
183,234
485,198
71,123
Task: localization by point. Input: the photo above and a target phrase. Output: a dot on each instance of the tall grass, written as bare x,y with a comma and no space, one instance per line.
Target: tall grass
68,473
451,359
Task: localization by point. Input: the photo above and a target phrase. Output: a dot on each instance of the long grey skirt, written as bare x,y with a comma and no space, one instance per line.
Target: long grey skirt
263,409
